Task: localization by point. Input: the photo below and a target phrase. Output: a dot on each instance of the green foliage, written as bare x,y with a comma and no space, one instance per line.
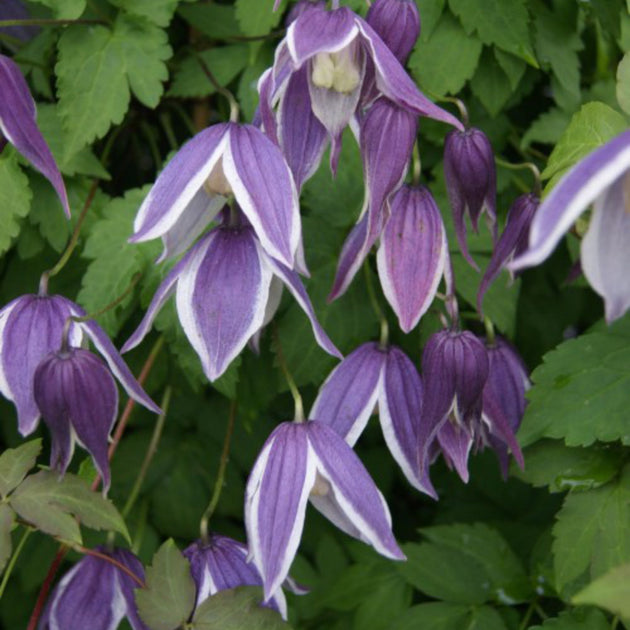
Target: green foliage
7,520
65,9
256,17
611,591
15,464
447,616
623,83
579,619
15,198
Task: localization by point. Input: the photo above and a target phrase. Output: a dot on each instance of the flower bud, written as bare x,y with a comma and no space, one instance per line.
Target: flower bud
398,24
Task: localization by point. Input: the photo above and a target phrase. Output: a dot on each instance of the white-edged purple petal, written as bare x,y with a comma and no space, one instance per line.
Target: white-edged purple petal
347,398
605,253
351,491
221,296
412,254
179,182
575,191
19,127
294,285
397,23
127,585
264,189
275,502
456,442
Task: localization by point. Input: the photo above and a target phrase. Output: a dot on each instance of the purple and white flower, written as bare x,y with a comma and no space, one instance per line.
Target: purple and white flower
302,461
602,178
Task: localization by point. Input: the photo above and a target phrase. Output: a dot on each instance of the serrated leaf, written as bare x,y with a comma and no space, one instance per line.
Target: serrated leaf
15,464
15,198
580,619
257,17
169,596
444,63
591,532
159,12
580,391
490,84
547,128
47,501
7,518
623,83
431,11
611,591
236,609
65,9
513,66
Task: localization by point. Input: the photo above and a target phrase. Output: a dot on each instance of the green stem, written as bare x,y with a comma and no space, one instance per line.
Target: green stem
527,617
295,392
165,120
490,334
220,481
148,456
417,166
378,311
183,114
14,557
46,22
149,134
234,107
523,165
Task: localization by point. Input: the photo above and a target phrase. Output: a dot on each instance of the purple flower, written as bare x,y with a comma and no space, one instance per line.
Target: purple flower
95,594
300,7
222,161
31,327
343,55
603,179
470,182
398,24
371,376
301,461
221,563
19,127
222,290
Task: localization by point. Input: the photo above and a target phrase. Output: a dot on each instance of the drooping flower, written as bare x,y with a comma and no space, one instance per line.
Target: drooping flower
222,288
398,24
602,178
19,127
470,182
371,376
222,161
512,243
300,7
95,594
302,461
31,328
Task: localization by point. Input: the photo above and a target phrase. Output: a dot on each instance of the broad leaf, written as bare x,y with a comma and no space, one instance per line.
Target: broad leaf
446,616
15,464
610,591
159,12
7,518
15,199
65,9
580,619
217,21
256,17
623,83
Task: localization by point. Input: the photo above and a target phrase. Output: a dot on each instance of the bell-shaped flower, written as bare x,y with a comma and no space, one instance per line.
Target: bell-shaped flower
222,288
470,182
342,54
512,243
602,178
222,563
31,328
301,461
504,401
223,161
412,254
455,370
371,376
19,127
397,22
387,134
95,594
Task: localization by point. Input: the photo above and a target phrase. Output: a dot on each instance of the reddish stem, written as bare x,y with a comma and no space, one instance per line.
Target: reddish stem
43,591
118,565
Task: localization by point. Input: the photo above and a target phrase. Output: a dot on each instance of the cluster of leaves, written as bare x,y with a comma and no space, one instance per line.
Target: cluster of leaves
123,88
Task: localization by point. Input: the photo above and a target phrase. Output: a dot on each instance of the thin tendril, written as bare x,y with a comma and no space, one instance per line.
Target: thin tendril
378,311
14,557
234,107
537,189
46,22
297,398
106,558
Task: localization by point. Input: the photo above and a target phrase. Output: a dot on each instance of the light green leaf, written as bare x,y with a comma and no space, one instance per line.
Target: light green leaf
47,501
430,12
591,532
236,609
447,60
217,21
7,519
15,198
611,591
547,128
257,17
159,12
15,464
580,619
580,392
623,83
65,9
169,597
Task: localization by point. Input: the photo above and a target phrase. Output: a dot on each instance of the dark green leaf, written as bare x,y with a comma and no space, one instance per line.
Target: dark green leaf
547,128
491,84
15,464
15,198
7,518
580,619
217,21
446,616
159,12
623,83
65,9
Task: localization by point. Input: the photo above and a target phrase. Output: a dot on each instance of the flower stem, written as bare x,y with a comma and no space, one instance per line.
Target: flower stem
537,189
234,108
106,558
220,481
378,311
490,334
295,392
417,165
45,589
13,560
46,22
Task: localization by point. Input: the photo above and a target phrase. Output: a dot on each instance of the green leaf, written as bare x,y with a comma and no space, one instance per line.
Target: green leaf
7,519
65,9
623,83
593,125
551,463
491,84
499,22
591,532
15,198
513,66
580,619
447,60
236,609
447,616
159,12
47,502
547,128
97,67
580,391
15,464
611,591
257,17
430,11
217,21
169,597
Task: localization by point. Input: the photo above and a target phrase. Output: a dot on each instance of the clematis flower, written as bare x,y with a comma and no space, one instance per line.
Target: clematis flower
221,563
470,182
19,127
301,461
95,594
222,161
398,24
342,54
222,288
371,376
31,328
602,178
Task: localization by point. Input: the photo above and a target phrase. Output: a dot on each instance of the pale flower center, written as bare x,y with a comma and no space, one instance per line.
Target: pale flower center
217,183
336,71
321,487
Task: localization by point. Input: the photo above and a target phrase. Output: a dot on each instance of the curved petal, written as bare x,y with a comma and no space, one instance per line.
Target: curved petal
456,442
127,585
